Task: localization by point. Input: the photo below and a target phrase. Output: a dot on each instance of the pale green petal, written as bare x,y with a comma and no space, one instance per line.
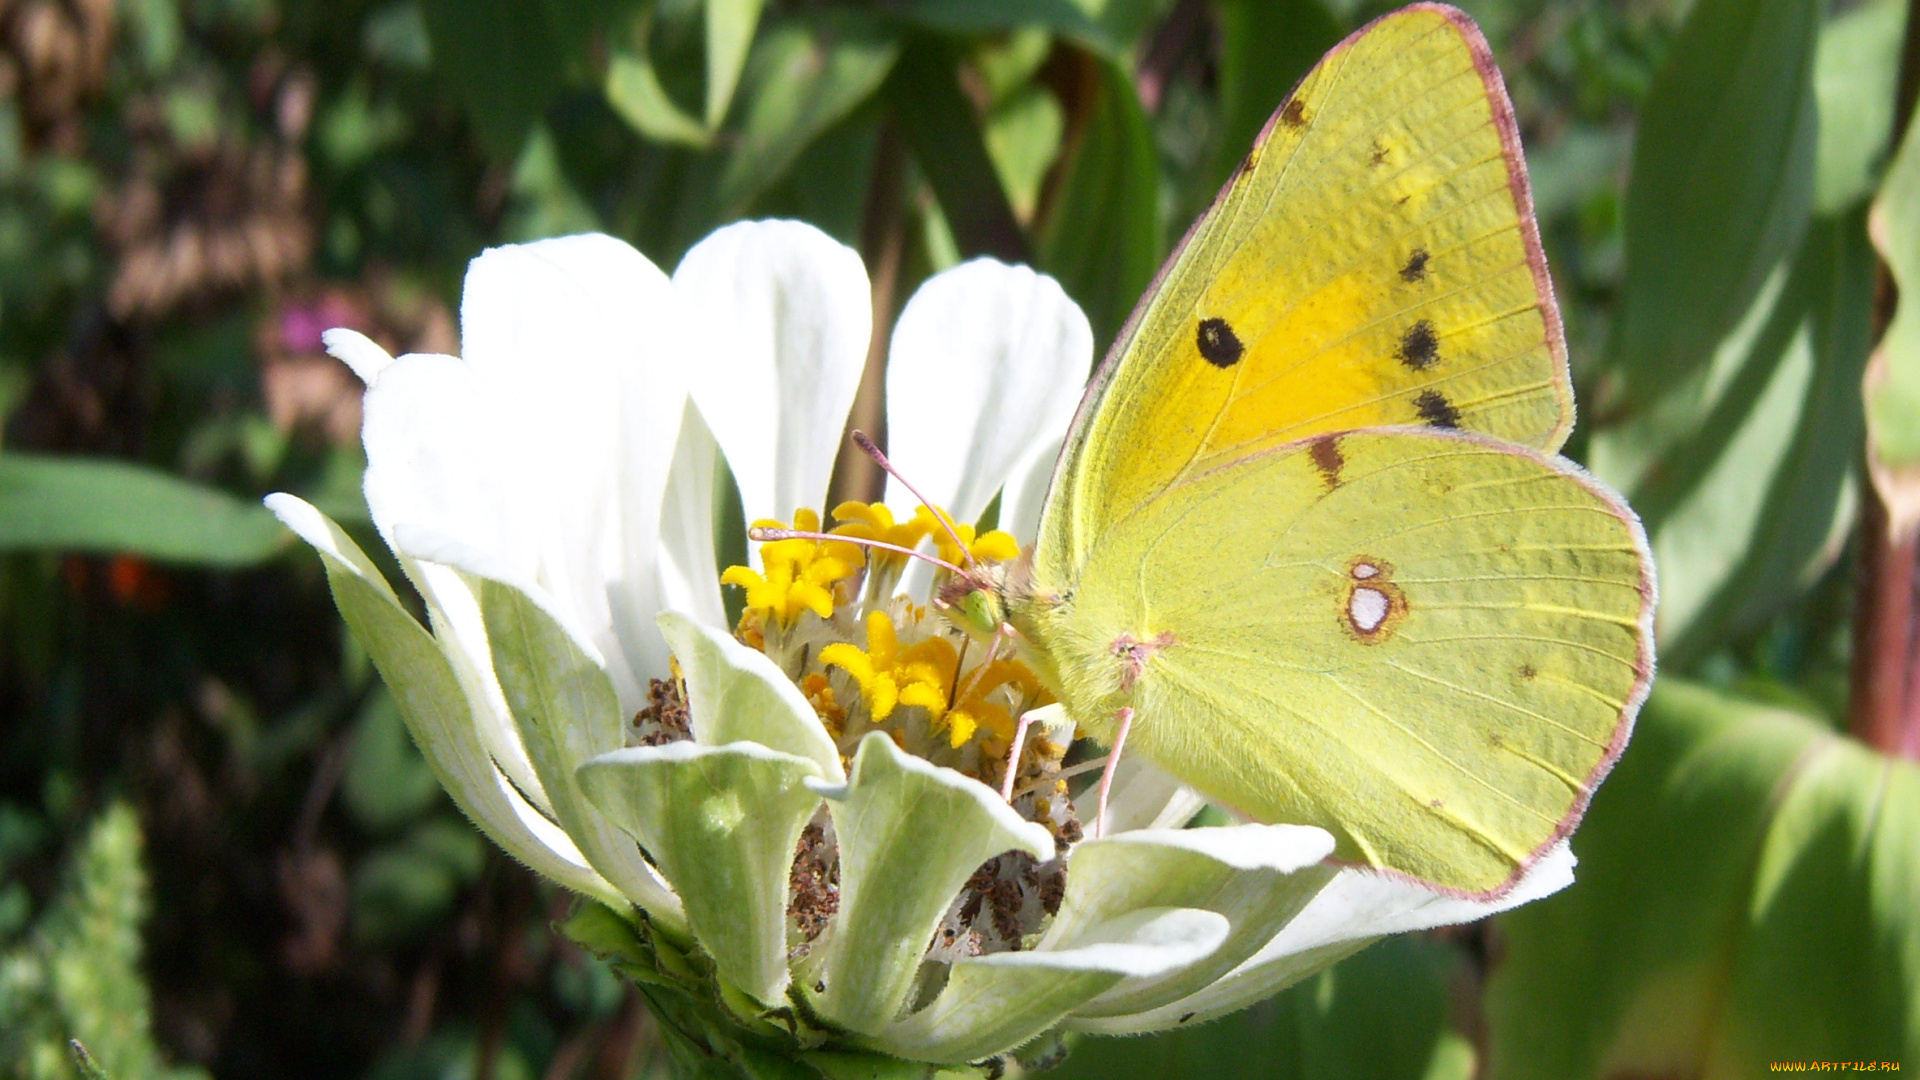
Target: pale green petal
910,834
1257,876
565,708
436,712
1358,907
722,824
995,1003
737,694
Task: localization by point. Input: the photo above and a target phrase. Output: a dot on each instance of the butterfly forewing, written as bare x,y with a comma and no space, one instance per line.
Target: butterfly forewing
1374,263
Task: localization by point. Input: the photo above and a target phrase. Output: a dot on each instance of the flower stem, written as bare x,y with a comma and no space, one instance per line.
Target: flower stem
1884,704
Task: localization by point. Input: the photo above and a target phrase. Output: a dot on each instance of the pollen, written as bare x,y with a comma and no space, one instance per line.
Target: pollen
923,676
888,675
820,695
797,575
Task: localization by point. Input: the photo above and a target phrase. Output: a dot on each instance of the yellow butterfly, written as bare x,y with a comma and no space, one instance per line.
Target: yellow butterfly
1308,546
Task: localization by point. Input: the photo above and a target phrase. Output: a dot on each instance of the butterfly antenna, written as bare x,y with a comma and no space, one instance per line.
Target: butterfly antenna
868,448
762,535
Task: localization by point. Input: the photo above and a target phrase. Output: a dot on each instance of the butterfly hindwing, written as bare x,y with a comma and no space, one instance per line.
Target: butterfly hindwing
1374,262
1431,644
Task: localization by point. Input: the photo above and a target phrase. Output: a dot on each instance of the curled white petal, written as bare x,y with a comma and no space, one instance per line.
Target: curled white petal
359,352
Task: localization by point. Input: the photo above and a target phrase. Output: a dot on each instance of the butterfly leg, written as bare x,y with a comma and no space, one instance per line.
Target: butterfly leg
1122,720
1013,756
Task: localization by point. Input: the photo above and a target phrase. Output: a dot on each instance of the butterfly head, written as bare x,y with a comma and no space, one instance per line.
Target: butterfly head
974,600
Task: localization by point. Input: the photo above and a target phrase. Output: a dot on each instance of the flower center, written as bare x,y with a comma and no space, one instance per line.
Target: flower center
829,612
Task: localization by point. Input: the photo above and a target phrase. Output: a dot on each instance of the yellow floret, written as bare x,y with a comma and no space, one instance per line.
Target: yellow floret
798,574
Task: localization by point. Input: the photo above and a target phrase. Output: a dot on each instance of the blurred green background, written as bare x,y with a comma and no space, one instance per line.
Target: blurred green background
221,856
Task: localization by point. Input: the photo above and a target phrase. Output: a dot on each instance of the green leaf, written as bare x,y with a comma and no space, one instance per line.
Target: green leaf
503,60
969,18
1854,75
403,887
1830,968
633,89
730,26
943,131
1102,239
1747,882
1023,138
1381,1015
851,1065
802,78
81,504
1748,497
387,783
82,1060
1722,183
1265,47
76,978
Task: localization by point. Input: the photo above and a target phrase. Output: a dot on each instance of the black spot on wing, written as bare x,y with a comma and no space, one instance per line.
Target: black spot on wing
1436,410
1218,343
1416,267
1294,115
1419,347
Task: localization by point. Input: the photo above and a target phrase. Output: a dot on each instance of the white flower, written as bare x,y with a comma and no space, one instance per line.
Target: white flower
550,495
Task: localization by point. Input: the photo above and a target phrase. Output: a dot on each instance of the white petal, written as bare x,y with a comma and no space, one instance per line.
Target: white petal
689,570
781,316
430,461
1356,908
722,823
454,613
910,835
987,363
431,470
737,694
309,524
1258,876
358,351
580,341
656,404
996,1002
1026,491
